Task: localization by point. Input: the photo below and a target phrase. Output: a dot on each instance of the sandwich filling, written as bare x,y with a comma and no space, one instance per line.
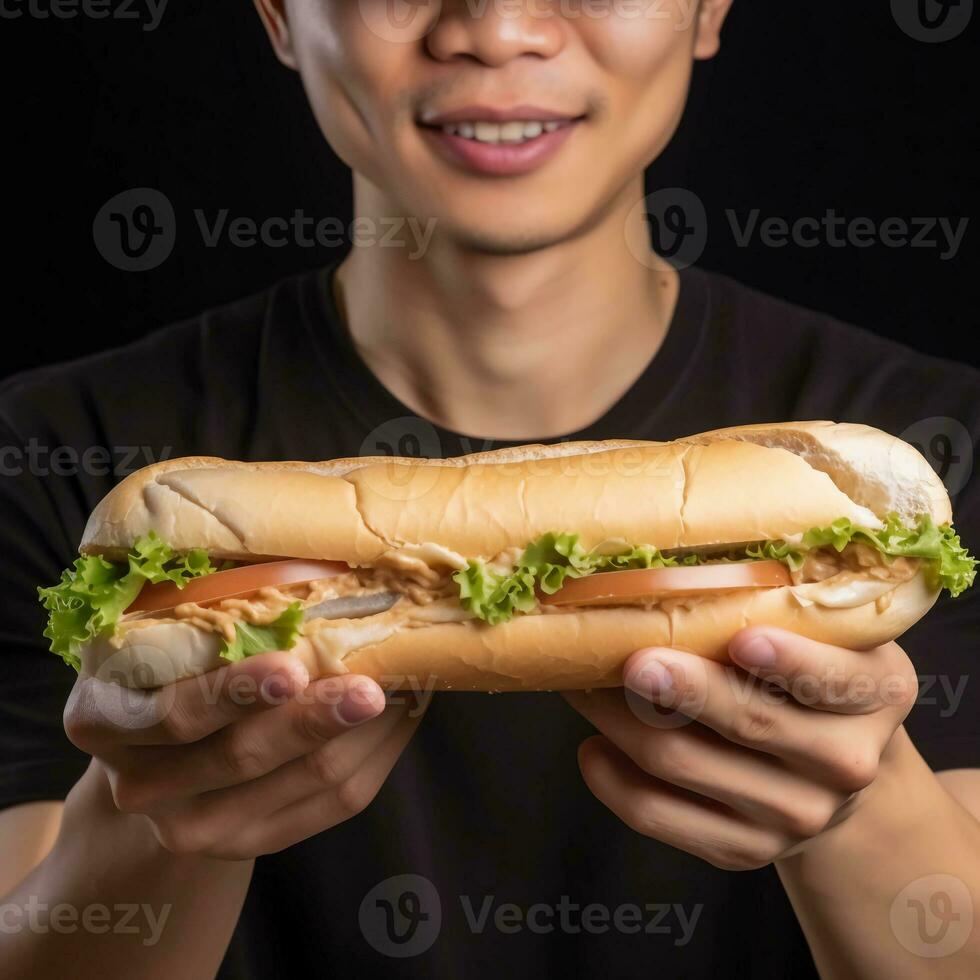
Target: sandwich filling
339,607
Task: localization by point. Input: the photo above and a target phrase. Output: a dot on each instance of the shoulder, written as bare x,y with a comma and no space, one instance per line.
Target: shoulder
182,361
755,313
850,366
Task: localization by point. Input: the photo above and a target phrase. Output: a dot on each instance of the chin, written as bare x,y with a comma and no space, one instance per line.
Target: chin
497,236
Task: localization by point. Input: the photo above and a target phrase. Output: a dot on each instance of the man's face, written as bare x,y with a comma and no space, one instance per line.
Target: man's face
556,106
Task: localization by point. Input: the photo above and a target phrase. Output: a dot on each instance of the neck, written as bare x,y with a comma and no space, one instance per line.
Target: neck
508,346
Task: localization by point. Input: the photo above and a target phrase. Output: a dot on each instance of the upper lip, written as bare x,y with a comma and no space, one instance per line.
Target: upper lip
482,113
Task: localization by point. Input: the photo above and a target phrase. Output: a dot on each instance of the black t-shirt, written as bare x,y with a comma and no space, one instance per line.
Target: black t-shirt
486,808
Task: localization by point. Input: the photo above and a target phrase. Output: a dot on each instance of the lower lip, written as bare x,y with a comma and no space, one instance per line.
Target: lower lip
500,159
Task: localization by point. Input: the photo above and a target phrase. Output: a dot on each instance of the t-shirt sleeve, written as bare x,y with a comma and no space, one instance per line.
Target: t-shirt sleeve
945,648
37,762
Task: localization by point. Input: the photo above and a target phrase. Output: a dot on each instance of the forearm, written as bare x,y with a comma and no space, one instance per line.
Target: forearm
844,884
167,915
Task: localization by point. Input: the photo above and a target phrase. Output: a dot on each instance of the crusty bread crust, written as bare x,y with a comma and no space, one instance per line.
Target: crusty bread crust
727,486
734,485
877,470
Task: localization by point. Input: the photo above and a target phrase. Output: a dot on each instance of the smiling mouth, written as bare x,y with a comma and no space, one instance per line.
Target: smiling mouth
511,133
498,142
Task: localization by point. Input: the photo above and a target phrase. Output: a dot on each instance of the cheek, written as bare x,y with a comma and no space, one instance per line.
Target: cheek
353,78
646,68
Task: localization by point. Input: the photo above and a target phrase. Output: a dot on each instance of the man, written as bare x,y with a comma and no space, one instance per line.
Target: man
310,835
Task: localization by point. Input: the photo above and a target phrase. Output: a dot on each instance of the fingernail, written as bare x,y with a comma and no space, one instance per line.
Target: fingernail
358,705
652,680
277,686
757,652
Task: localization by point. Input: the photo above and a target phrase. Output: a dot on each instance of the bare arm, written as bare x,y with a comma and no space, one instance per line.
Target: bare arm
27,834
964,786
188,784
811,770
155,902
894,891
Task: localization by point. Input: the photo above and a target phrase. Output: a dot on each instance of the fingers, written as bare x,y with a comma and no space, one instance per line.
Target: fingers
676,817
841,750
759,772
212,822
758,787
326,808
328,766
827,677
248,749
101,715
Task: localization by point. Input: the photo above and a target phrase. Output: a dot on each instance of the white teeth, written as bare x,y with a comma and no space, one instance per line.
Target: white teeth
516,131
512,132
488,132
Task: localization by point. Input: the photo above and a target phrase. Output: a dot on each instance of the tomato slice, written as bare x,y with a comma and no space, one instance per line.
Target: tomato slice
235,582
625,588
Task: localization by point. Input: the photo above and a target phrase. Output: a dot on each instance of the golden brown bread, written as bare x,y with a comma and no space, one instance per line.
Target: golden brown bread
729,486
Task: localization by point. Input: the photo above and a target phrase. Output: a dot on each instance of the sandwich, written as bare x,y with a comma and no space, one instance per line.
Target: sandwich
533,568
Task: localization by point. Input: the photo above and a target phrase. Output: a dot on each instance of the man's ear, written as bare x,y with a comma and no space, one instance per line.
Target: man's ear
711,17
273,14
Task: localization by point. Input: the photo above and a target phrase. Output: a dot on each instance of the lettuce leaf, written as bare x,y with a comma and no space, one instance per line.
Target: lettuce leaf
793,555
497,597
949,565
281,634
94,593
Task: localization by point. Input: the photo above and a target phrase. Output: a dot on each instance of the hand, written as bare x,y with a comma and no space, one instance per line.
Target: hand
246,760
778,748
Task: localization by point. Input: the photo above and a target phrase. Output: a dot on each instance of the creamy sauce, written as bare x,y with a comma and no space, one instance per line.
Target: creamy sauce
422,558
856,576
503,564
421,590
824,563
333,639
844,591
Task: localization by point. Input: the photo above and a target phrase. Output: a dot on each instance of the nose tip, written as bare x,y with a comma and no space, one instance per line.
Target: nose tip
494,34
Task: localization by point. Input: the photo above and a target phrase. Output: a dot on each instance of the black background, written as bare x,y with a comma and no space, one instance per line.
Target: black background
809,106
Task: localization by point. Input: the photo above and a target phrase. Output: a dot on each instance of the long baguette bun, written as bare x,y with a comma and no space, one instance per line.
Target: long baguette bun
728,486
